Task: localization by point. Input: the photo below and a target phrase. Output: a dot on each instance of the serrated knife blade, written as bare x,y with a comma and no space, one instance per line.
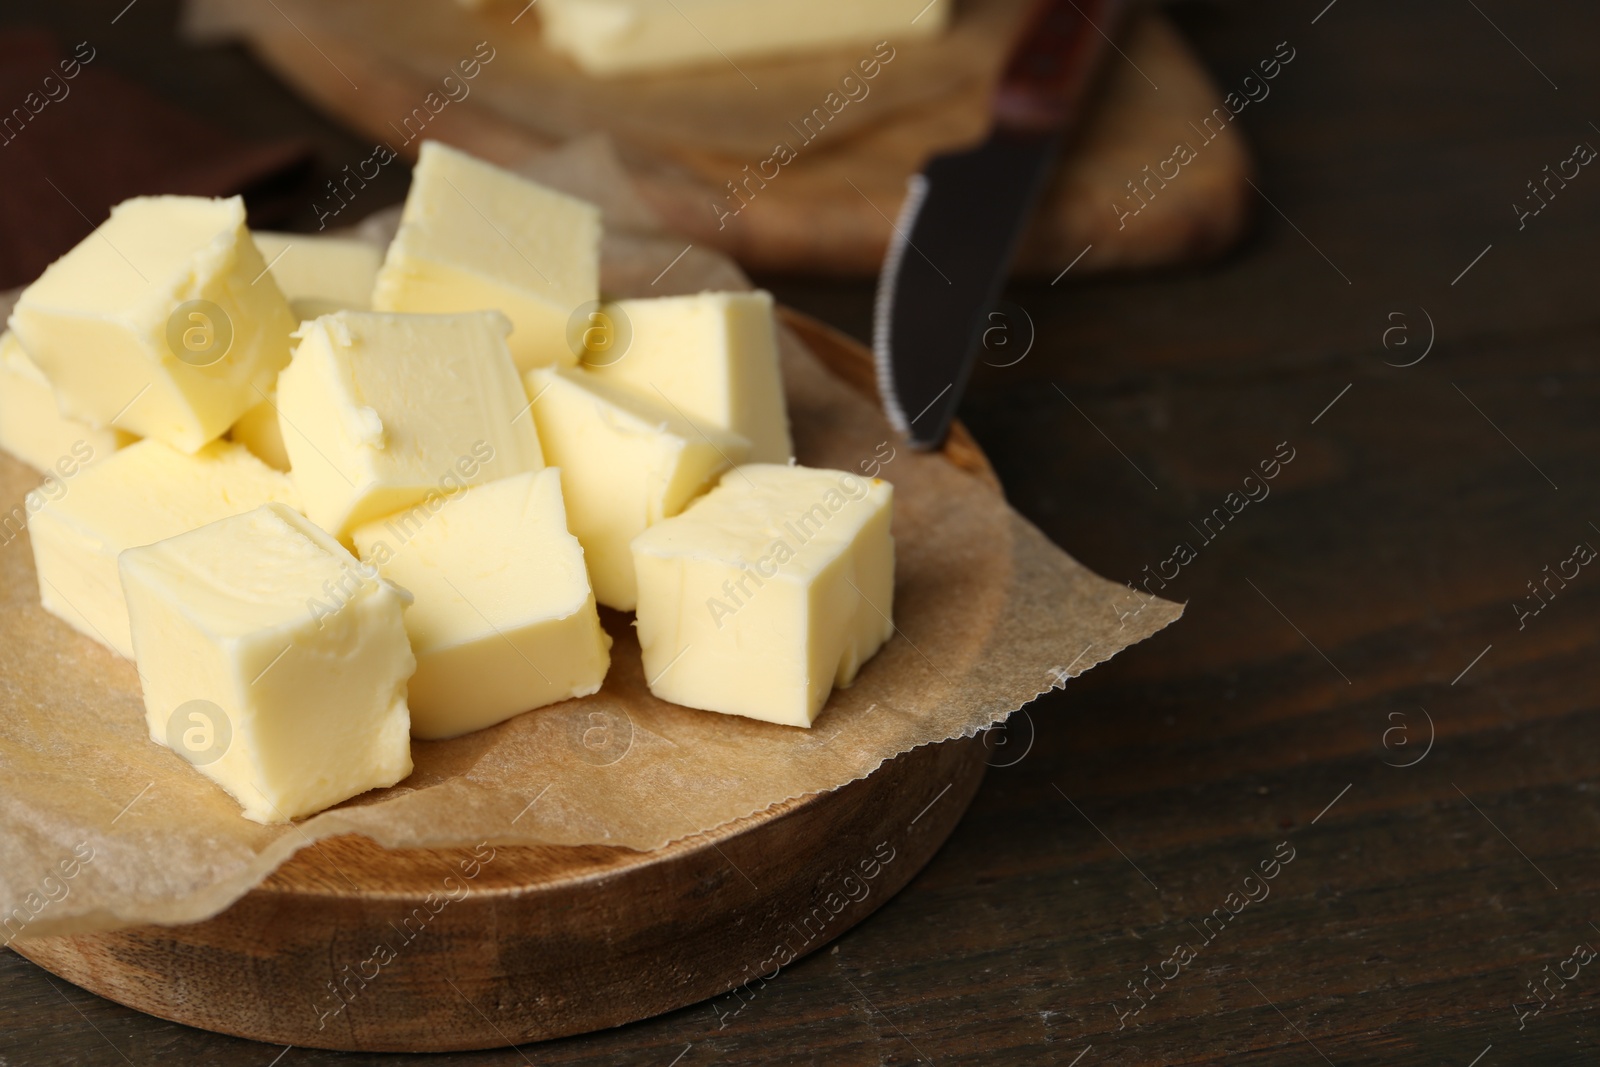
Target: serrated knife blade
963,216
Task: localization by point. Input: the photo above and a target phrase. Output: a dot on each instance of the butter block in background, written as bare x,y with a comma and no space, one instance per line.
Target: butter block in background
34,431
273,661
767,592
713,357
623,36
473,236
625,464
163,322
379,411
147,492
320,275
503,620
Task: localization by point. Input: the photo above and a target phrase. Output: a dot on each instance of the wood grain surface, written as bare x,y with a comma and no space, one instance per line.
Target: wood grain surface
371,62
1417,908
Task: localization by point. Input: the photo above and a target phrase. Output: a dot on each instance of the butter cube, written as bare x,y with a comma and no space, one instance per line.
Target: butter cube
163,322
474,236
260,431
273,661
504,620
33,430
714,357
625,464
767,592
320,275
147,492
622,36
380,411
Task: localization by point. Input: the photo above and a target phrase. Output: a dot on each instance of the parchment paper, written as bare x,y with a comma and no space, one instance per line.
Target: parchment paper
989,615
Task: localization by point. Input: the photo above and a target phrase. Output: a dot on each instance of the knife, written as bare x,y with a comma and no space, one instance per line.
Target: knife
964,214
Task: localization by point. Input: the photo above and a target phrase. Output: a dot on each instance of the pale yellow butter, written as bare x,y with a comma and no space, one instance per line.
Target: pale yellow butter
625,464
146,492
713,357
475,236
163,322
34,431
273,661
504,620
261,432
621,36
379,411
767,592
320,275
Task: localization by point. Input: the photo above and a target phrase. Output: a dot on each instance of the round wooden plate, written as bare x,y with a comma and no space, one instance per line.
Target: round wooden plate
355,947
825,214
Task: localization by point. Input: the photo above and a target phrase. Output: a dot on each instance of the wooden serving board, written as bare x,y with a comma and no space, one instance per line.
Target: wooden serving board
685,137
503,945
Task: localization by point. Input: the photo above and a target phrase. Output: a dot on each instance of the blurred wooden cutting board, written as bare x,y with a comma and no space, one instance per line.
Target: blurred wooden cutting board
685,137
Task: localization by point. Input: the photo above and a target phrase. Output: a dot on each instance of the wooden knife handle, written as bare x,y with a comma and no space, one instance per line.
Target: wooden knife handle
1053,62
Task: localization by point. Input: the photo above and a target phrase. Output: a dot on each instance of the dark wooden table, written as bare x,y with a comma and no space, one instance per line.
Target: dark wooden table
1361,618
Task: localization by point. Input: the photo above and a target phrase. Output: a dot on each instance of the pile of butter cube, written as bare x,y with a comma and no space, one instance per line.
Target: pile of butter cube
329,499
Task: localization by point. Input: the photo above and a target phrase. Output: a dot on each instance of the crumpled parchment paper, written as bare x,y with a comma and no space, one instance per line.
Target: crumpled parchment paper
989,615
